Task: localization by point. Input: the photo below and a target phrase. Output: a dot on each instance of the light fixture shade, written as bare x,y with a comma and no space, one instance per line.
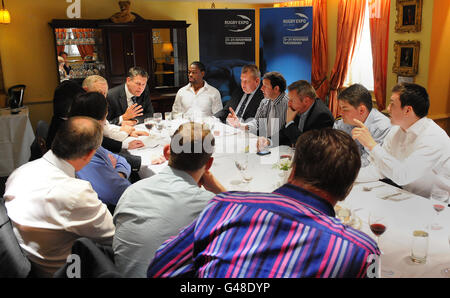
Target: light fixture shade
5,17
167,47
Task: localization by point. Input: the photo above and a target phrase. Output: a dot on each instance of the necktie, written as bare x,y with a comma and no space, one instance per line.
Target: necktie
301,122
242,108
134,99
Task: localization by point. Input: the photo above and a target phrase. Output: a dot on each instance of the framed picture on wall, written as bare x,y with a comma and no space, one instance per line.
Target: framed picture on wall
409,16
406,57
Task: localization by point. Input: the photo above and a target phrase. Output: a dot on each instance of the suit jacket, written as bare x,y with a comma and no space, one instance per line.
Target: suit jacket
117,104
318,117
236,97
108,143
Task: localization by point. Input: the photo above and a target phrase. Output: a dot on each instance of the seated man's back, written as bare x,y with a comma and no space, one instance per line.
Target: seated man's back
155,209
50,208
291,232
257,235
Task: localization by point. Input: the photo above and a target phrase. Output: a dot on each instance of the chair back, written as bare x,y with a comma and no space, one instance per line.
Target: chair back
39,145
16,94
95,261
13,262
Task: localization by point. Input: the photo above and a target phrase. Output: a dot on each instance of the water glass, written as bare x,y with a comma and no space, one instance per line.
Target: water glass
168,116
158,117
419,246
176,115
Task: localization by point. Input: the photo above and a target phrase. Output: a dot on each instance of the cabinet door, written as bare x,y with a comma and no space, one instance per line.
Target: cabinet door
118,55
126,49
141,50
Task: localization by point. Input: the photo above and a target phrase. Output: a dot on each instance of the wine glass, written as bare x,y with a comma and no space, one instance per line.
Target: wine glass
149,123
446,271
241,163
438,199
378,225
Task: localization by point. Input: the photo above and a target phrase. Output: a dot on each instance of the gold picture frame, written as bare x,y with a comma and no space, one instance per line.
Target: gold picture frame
409,16
406,57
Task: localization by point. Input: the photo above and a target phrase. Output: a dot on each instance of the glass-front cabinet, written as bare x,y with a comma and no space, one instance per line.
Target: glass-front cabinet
80,52
87,47
169,62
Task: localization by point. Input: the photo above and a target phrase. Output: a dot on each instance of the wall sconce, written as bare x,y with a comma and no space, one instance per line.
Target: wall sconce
5,17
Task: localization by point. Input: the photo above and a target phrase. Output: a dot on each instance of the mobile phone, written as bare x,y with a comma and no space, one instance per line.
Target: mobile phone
264,152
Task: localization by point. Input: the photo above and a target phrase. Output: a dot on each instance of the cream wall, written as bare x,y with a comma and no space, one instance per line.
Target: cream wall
28,54
26,45
424,36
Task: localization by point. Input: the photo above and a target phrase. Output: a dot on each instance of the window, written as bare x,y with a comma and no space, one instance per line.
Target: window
361,70
71,50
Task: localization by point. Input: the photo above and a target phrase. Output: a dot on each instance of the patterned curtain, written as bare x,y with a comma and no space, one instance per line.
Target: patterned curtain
379,34
85,49
349,28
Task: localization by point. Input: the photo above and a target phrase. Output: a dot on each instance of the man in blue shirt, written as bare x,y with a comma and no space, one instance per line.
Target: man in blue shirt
107,172
355,102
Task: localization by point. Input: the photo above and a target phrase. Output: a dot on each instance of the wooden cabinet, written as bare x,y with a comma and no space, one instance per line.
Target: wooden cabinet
110,50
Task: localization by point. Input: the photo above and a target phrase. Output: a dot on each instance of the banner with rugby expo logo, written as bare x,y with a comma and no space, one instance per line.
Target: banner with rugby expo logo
286,42
227,42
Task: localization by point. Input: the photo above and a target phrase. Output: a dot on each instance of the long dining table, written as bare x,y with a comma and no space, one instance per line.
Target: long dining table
404,212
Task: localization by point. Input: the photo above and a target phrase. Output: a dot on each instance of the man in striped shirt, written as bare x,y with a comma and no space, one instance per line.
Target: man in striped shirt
271,114
291,232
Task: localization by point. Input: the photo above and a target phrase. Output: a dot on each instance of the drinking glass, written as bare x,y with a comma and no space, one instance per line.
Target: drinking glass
176,115
168,116
158,120
149,123
241,163
378,224
419,246
438,199
446,271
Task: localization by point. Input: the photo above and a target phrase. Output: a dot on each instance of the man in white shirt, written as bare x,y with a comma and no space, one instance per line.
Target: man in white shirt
355,102
416,152
49,207
198,98
156,208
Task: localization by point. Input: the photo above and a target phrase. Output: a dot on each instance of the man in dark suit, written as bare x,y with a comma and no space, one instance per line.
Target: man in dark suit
130,101
245,101
305,112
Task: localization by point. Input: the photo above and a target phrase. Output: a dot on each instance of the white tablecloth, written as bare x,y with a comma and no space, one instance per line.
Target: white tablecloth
405,212
16,137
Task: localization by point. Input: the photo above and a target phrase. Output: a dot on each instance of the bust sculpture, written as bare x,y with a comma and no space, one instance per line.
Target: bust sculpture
125,15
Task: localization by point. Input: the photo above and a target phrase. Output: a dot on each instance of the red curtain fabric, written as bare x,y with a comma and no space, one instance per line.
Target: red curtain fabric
319,43
85,49
379,34
61,34
349,27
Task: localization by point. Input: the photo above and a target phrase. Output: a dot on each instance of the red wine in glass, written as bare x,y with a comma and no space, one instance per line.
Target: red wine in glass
149,125
438,207
378,229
